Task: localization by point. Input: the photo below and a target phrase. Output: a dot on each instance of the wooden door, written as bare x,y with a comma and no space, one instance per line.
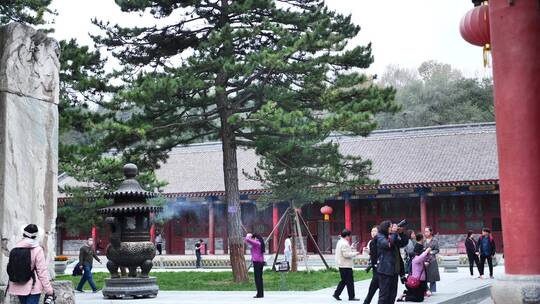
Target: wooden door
175,238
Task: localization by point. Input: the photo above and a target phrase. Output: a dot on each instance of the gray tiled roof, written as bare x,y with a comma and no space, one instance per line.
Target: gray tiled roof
416,155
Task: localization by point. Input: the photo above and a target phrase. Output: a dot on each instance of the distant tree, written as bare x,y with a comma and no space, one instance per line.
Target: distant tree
436,95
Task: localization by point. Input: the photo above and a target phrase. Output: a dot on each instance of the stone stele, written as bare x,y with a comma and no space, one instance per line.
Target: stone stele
29,86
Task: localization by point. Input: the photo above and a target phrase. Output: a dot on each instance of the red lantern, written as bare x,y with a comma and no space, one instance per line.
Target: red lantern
474,27
327,210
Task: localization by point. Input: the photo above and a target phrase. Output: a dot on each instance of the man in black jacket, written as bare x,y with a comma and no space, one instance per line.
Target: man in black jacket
486,247
373,256
389,239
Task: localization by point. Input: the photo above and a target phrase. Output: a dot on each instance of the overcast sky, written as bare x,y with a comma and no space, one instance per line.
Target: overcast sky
405,33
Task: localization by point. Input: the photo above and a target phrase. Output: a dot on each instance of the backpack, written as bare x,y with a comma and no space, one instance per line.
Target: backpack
77,271
19,266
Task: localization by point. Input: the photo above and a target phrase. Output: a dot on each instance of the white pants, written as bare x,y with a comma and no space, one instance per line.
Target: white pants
288,256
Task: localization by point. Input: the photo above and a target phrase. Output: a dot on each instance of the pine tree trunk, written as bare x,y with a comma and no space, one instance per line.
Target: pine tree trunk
235,233
230,163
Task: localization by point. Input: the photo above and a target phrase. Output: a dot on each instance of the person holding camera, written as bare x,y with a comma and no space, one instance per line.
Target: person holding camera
432,271
257,258
27,269
344,261
373,256
389,241
198,248
486,248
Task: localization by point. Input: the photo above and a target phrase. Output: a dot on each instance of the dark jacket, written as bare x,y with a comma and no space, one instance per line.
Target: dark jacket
87,256
471,247
389,261
373,253
491,252
432,270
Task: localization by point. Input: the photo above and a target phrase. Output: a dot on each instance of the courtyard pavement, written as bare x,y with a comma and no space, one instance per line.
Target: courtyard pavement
451,285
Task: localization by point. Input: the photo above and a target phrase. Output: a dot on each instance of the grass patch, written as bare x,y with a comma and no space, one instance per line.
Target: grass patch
222,281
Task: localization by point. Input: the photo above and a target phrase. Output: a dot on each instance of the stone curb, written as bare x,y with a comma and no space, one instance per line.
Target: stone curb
470,297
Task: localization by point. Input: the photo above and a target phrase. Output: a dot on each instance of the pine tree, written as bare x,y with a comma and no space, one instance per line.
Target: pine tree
211,66
307,166
84,117
32,12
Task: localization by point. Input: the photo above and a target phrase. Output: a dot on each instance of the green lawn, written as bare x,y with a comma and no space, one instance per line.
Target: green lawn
220,281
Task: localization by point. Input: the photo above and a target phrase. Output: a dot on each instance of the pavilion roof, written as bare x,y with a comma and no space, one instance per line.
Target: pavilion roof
414,157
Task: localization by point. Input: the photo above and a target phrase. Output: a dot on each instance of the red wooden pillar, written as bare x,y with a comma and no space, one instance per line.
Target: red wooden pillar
348,224
515,39
423,212
275,218
152,233
94,236
152,228
211,228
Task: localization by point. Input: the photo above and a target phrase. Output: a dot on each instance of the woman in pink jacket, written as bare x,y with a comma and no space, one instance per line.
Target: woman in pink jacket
419,272
257,257
30,292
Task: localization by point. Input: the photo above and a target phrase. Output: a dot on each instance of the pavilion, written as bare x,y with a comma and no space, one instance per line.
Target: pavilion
445,177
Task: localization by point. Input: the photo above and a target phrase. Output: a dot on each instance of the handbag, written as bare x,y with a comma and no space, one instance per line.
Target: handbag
282,266
413,282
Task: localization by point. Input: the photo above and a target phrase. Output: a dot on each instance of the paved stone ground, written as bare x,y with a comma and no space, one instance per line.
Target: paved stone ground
452,284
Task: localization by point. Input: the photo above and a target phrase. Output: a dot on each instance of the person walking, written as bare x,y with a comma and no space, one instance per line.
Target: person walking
418,271
287,251
373,256
472,252
344,261
257,245
27,269
86,260
159,243
486,248
389,241
432,273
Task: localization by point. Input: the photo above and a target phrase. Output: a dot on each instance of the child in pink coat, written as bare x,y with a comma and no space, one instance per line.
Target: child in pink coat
26,293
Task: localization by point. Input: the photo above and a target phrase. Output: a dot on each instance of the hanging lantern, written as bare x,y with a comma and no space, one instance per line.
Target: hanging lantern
474,28
326,211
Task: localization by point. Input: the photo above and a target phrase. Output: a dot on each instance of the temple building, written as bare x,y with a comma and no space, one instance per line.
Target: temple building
445,177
